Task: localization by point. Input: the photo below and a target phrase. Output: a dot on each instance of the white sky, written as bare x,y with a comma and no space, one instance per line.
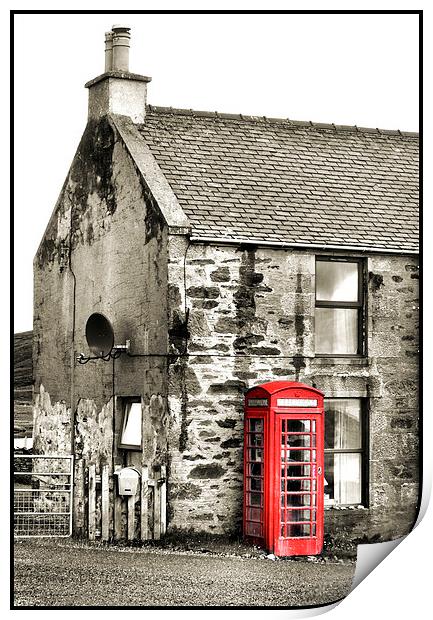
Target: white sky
347,69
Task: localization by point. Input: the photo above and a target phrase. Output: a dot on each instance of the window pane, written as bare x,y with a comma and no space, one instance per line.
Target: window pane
131,435
343,423
337,331
297,426
336,281
342,479
293,531
255,455
255,499
298,515
255,484
256,425
296,471
256,469
298,440
291,456
253,529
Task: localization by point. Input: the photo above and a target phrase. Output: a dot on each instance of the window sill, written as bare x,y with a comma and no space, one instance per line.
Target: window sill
340,361
346,508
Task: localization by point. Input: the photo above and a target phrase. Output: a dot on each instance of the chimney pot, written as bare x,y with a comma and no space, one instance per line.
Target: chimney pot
108,51
120,57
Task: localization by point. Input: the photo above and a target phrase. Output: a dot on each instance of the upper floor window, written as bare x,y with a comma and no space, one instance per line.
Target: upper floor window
339,306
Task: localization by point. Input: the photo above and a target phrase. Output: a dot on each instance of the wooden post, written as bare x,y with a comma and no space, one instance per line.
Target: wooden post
144,525
163,499
157,510
131,517
105,503
117,512
79,499
92,501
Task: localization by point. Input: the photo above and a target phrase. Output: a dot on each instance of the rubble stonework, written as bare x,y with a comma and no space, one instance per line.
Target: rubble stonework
264,307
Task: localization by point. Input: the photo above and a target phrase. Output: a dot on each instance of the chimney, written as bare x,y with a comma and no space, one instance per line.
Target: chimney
117,91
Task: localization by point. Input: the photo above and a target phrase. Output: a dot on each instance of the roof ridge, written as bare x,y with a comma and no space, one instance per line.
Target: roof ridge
283,121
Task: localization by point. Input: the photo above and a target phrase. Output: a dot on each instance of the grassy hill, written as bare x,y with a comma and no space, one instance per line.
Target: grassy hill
23,380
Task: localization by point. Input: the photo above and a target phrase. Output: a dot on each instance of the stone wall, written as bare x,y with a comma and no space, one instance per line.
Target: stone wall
259,303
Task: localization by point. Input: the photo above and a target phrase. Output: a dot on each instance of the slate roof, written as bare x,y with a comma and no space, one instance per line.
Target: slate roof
254,178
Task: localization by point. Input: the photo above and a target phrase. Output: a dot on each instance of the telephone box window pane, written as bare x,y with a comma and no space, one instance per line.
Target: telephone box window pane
254,514
337,331
305,485
256,499
131,433
256,469
255,454
295,531
295,498
296,455
254,439
298,440
296,471
256,426
298,515
297,426
254,529
342,478
255,484
343,423
336,281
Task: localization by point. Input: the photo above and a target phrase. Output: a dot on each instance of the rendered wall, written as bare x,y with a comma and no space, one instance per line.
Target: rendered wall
117,267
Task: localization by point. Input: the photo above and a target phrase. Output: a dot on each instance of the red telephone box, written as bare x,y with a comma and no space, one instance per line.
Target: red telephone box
283,468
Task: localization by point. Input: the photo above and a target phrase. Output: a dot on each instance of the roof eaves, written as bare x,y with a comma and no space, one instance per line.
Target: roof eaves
303,245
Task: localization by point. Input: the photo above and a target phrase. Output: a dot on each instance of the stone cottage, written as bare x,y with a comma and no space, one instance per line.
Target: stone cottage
230,251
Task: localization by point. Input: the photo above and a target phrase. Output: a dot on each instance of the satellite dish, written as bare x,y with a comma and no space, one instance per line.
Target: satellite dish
99,335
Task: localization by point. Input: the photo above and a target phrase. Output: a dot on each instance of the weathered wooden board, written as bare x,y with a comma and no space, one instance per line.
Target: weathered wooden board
163,500
92,501
79,500
157,510
105,503
144,524
131,517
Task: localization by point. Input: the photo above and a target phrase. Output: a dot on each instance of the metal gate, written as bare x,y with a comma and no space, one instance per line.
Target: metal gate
43,487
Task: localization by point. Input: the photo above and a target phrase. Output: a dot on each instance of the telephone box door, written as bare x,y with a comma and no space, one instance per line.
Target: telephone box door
298,521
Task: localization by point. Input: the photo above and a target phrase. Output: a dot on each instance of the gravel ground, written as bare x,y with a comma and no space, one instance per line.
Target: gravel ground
70,573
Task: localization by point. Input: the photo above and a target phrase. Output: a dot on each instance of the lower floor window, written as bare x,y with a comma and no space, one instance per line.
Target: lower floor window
344,451
130,437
